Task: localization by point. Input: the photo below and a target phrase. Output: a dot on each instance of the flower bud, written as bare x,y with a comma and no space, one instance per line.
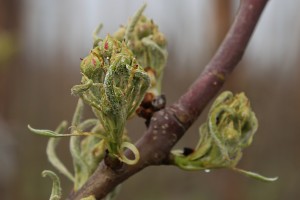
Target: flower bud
109,46
114,84
147,44
229,128
91,66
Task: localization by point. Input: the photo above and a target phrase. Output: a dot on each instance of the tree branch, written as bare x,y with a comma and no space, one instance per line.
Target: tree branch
168,125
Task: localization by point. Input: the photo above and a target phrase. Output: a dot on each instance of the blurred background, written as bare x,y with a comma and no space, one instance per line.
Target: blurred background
41,43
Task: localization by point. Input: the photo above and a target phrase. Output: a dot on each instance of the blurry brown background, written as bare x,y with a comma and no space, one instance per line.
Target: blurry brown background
41,43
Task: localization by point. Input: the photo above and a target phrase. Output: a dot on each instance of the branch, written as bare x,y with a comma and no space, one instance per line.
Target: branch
168,125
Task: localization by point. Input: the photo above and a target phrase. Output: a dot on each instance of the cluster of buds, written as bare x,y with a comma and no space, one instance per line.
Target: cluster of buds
229,128
121,76
113,84
148,44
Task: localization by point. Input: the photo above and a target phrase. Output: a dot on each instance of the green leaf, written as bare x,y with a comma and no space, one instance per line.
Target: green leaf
133,22
52,157
88,123
96,32
49,133
80,167
255,175
56,188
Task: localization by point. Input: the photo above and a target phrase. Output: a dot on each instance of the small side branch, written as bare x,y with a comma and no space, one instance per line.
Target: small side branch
168,125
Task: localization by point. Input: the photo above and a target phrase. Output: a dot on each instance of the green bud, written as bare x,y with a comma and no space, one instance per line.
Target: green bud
229,128
119,34
109,46
92,65
116,94
147,44
144,27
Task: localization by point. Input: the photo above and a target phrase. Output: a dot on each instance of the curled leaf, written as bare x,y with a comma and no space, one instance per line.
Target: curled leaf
56,188
133,149
229,128
78,89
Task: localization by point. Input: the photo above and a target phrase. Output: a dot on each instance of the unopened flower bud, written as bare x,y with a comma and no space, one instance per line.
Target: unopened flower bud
147,44
114,84
229,128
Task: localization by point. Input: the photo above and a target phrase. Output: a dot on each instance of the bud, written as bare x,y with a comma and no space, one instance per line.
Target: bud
147,44
229,128
92,65
109,46
114,84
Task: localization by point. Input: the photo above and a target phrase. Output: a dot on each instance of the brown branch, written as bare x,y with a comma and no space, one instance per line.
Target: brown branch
168,125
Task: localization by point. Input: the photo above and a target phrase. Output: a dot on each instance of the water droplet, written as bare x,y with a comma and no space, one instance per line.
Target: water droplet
207,170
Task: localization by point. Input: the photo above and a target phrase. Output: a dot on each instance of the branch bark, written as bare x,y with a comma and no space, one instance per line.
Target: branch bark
168,125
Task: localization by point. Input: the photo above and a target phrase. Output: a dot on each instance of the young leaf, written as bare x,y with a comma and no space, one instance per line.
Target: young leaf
56,188
255,175
80,167
52,157
49,133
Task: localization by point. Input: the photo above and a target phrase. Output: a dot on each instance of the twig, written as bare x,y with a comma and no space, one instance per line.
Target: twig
168,125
